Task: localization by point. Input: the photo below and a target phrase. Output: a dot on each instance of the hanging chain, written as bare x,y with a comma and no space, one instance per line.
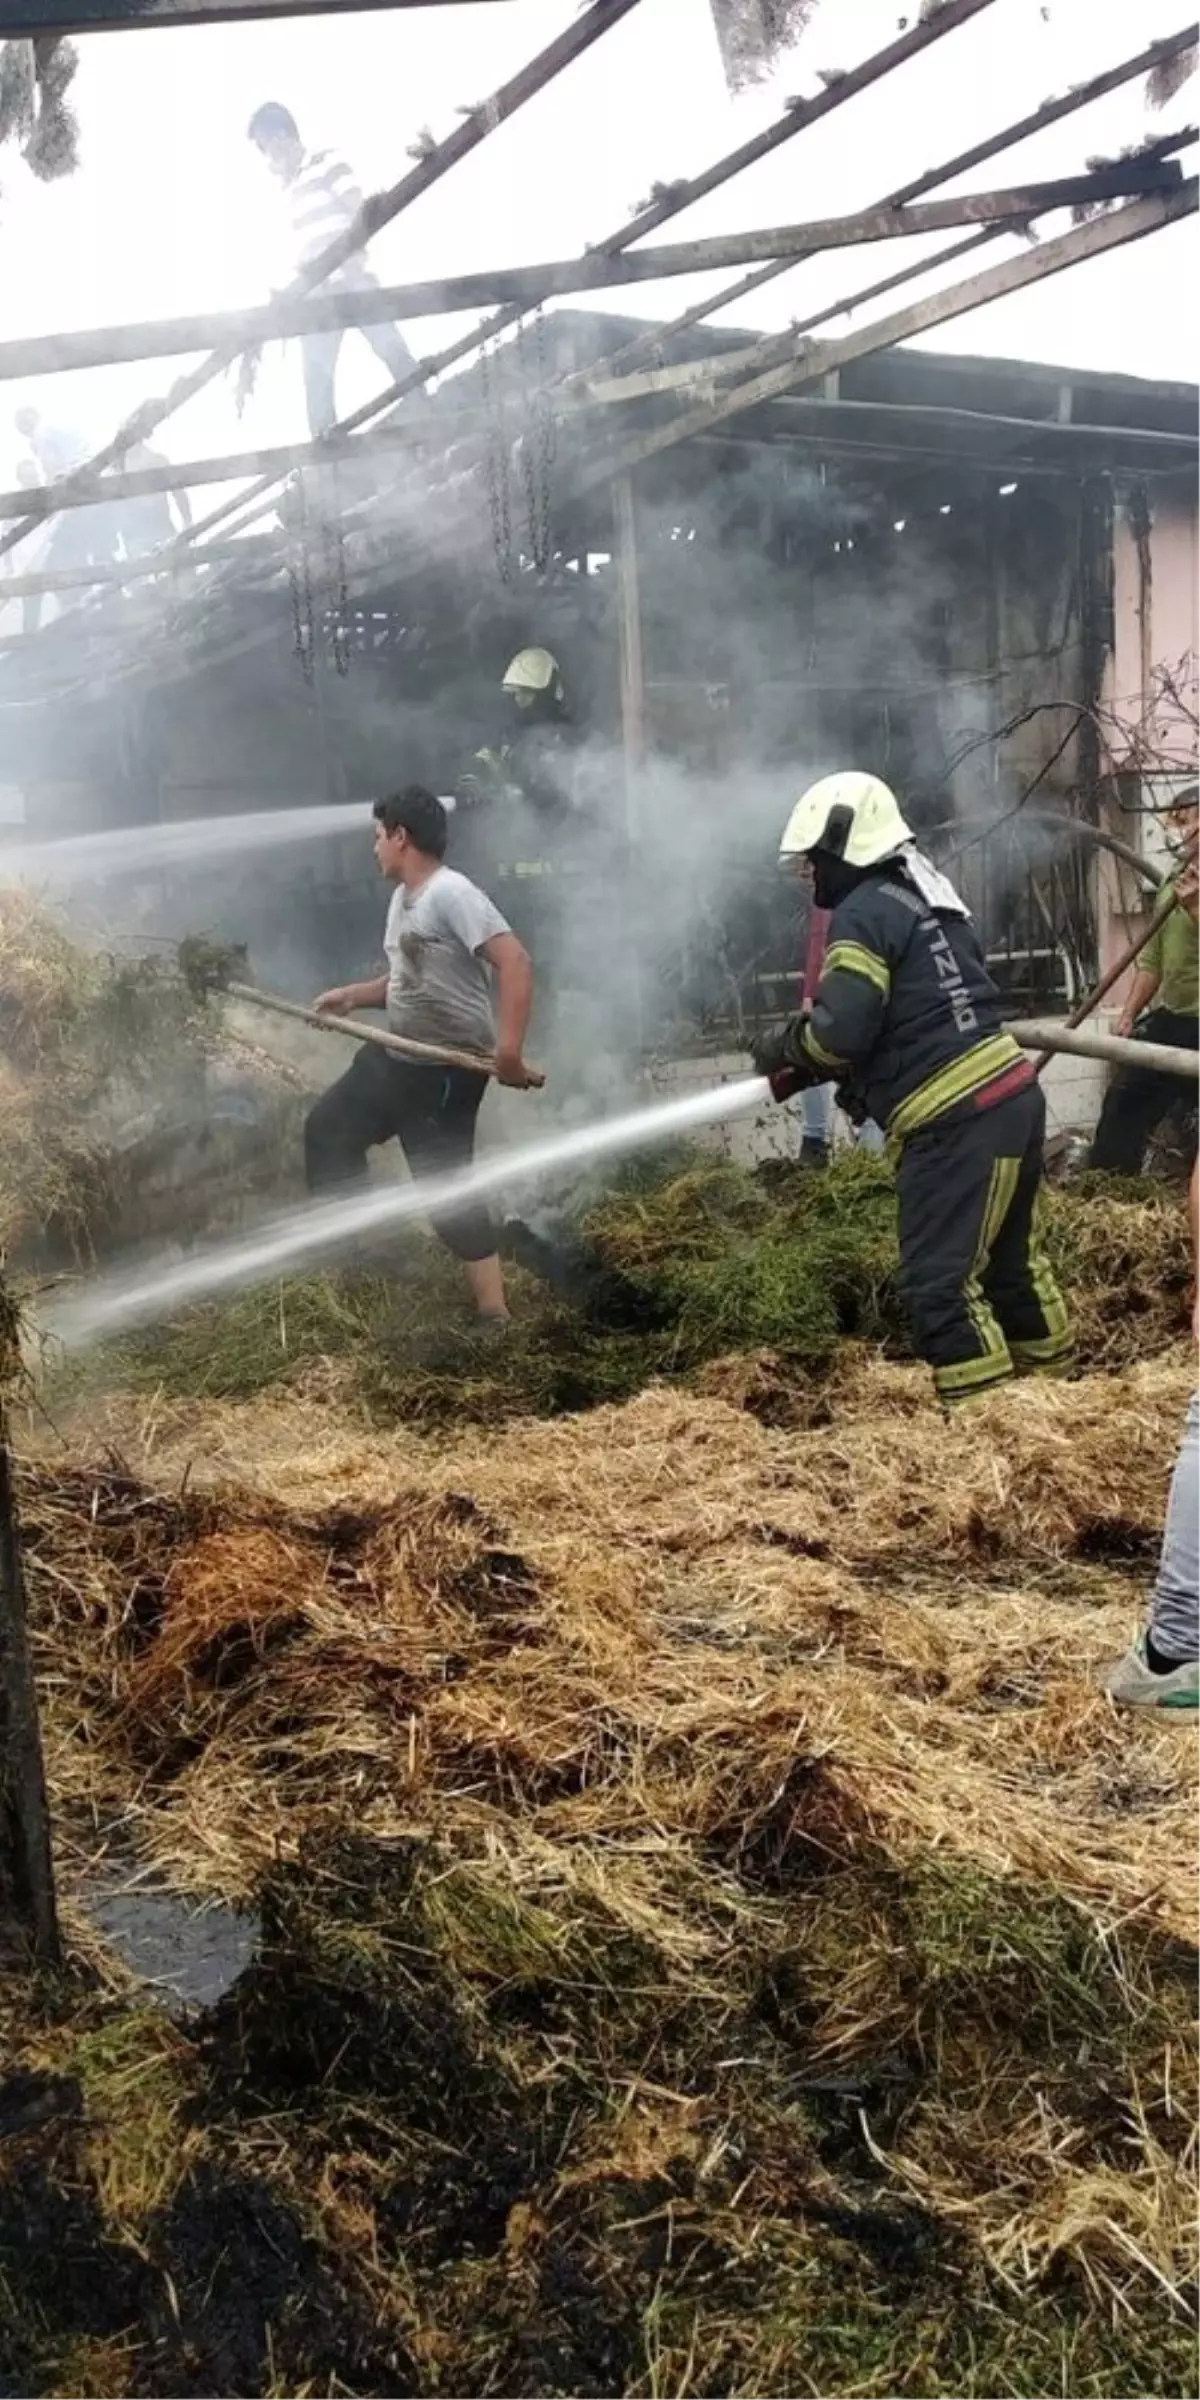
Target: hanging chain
496,465
528,476
537,442
547,444
300,586
339,624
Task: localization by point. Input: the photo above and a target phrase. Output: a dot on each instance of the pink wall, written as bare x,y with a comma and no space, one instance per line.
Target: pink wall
1155,617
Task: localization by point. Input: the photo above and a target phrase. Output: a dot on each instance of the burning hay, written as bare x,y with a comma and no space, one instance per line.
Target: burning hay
715,1935
104,1063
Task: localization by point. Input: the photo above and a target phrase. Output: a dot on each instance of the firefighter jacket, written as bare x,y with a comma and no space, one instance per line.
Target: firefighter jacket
905,1011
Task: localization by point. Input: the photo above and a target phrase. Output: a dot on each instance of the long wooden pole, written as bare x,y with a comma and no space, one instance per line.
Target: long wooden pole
374,304
428,1053
818,359
1051,112
1160,1058
40,17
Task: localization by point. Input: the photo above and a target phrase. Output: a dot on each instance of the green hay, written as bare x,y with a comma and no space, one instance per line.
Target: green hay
708,1261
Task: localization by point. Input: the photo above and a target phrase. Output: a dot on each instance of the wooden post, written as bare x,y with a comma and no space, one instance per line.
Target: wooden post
26,1863
633,678
633,691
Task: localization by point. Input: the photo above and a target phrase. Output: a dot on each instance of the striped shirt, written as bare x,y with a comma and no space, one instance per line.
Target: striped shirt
324,200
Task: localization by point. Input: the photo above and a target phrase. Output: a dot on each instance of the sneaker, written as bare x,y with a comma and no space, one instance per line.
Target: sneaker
1132,1682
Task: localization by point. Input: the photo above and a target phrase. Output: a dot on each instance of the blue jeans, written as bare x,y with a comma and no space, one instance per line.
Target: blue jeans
1175,1607
816,1112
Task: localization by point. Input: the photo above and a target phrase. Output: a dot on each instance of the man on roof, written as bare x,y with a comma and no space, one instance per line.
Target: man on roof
908,1020
323,201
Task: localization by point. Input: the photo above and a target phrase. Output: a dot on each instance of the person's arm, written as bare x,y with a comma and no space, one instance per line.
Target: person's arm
345,997
513,970
1147,978
1145,984
850,1002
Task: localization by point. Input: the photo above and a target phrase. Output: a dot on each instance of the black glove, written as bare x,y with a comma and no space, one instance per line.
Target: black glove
774,1055
772,1051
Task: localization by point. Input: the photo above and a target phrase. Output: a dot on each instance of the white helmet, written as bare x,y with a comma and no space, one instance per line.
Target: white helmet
532,672
853,816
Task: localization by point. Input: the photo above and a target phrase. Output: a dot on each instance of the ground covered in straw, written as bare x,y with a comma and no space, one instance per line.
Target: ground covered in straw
683,1265
716,1938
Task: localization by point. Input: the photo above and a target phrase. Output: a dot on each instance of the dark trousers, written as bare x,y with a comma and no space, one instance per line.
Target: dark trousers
83,537
430,1111
1137,1099
319,352
983,1302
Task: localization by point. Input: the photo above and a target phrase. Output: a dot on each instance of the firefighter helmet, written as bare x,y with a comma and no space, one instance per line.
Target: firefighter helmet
532,675
850,816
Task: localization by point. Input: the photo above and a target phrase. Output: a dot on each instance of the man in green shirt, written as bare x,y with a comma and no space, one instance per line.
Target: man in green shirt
1162,1007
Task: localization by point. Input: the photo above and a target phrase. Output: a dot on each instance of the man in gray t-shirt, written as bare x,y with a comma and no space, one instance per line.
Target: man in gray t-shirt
457,977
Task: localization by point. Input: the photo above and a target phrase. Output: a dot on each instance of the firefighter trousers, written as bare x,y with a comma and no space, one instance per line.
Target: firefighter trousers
982,1299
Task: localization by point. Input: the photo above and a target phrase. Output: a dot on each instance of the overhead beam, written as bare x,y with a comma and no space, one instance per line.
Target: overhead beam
1051,112
137,483
653,382
817,359
379,210
36,17
129,570
675,198
594,271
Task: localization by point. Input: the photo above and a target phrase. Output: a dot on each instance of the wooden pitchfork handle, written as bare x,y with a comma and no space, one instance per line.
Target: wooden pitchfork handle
428,1053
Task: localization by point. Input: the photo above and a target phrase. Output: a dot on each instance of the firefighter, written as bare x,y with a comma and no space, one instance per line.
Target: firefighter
531,763
907,1019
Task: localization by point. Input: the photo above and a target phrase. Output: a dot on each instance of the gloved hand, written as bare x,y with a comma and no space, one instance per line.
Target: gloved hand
772,1056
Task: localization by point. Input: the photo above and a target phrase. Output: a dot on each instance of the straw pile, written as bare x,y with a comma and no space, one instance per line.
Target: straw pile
96,1054
716,1937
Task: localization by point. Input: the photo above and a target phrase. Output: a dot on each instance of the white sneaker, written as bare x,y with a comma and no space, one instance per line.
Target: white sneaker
1133,1683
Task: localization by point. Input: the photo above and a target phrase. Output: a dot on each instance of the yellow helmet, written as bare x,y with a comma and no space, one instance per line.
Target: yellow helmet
853,816
532,673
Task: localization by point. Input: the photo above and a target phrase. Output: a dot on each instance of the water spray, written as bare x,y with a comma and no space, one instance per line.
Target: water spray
137,849
323,1228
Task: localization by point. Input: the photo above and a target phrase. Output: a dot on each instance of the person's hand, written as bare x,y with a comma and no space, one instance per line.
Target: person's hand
337,1003
512,1071
1124,1025
770,1051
